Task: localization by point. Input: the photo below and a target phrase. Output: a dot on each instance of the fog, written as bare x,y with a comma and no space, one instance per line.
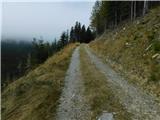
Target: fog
25,20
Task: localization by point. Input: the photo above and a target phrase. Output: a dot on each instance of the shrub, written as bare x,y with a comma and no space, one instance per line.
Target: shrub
155,72
156,46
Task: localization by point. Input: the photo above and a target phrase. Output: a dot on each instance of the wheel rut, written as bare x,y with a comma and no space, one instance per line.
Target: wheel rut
72,103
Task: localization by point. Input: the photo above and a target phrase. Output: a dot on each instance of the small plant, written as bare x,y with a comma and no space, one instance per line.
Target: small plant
155,72
152,77
156,46
21,89
135,37
151,36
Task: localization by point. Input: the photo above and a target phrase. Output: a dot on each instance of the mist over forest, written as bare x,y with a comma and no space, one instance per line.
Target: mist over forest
32,32
21,56
80,60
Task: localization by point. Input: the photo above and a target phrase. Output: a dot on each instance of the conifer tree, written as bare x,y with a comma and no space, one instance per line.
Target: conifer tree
83,34
72,35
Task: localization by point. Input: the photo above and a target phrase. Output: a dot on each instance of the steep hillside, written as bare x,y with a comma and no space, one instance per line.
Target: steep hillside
35,96
133,49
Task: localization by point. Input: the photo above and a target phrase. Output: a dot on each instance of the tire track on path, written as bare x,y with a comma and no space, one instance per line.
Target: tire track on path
72,104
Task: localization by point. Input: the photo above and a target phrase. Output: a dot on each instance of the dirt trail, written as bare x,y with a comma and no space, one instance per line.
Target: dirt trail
140,104
72,105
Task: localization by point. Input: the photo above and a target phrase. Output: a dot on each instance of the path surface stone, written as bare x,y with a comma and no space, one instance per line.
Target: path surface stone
72,104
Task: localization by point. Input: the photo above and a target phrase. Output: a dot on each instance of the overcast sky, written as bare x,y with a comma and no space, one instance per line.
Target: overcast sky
48,19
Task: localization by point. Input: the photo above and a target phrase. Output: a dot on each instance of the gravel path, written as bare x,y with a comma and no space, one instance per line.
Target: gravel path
72,104
140,104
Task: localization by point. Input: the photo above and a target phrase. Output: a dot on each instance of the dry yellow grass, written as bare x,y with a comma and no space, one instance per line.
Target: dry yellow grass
35,96
98,92
127,50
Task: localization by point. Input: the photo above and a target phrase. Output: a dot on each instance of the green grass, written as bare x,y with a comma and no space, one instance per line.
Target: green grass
156,46
98,92
155,72
36,95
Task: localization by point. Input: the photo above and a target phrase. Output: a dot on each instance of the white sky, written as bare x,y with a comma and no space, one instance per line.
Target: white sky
25,20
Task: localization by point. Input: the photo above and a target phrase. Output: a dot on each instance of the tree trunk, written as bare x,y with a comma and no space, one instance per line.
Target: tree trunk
145,7
131,10
115,18
134,10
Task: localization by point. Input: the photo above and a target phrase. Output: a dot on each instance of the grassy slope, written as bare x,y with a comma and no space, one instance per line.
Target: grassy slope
35,96
130,49
98,92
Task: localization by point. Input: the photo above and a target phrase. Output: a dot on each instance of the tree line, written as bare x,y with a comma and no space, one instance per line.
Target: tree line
109,14
42,50
20,57
79,33
13,56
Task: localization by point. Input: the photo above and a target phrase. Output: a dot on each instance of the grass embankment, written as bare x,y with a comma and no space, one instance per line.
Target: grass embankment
35,96
134,50
98,92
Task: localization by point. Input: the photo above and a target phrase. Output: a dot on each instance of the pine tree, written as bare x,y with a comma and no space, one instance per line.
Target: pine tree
34,53
145,7
95,17
28,62
83,34
76,31
72,35
19,67
89,35
64,39
54,46
67,36
79,31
